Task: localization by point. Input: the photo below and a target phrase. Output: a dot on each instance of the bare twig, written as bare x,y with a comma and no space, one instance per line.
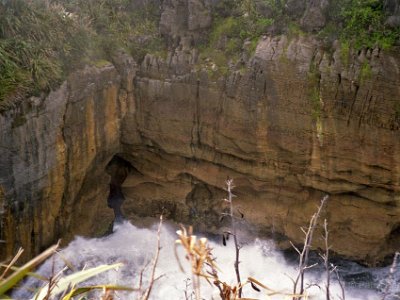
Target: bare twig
303,257
343,296
230,186
188,295
140,287
295,248
390,278
147,293
325,258
53,279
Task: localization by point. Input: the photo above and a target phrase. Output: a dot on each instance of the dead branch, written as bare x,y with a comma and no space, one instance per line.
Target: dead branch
229,185
147,293
325,257
343,296
304,255
188,295
390,278
53,279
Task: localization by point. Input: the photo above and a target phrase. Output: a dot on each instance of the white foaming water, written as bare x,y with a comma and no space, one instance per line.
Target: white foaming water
135,248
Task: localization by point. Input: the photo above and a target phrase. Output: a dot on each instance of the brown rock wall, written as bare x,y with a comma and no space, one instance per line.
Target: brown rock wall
300,122
54,151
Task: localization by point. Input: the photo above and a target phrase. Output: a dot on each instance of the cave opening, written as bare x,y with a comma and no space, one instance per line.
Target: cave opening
118,168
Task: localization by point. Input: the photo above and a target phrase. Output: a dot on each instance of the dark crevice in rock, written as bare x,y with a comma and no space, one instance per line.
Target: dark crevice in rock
394,240
33,241
352,104
66,175
118,168
368,98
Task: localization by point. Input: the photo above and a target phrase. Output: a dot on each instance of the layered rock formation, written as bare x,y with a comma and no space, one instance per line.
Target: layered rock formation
53,155
298,122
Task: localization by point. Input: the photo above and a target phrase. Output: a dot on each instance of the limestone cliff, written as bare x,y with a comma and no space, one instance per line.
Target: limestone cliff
53,155
296,122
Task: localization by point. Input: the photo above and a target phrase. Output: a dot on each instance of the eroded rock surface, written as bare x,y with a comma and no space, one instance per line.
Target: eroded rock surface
185,20
53,155
301,122
298,123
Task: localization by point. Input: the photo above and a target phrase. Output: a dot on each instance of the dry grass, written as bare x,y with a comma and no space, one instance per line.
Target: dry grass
199,254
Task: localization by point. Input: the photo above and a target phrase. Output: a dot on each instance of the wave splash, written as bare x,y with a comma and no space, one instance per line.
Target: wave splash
135,248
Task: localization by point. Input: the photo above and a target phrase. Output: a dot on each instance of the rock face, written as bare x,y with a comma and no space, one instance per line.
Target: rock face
185,19
300,122
53,155
314,16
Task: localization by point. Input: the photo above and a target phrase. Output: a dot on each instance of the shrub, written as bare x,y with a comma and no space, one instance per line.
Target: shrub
363,23
41,41
235,23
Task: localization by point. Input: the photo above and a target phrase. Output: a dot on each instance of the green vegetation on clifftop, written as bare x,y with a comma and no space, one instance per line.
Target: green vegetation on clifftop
42,41
238,25
362,23
236,29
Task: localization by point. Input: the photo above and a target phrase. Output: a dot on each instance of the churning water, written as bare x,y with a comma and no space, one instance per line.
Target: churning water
135,248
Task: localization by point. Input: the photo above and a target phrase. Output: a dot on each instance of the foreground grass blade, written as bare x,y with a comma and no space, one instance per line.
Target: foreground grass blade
21,272
11,264
30,274
86,289
65,283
